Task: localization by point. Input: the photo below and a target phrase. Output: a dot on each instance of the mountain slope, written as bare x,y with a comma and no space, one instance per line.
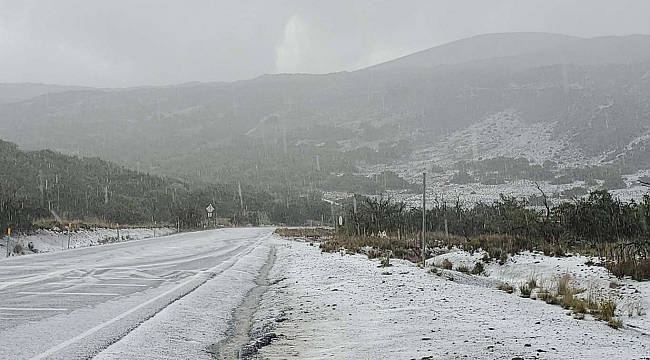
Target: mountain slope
298,132
479,47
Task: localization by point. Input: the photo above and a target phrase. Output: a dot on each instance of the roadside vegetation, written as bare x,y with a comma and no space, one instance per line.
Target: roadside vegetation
598,225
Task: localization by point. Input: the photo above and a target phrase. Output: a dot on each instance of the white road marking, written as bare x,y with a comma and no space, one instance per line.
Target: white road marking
125,278
32,309
36,278
97,284
98,327
65,293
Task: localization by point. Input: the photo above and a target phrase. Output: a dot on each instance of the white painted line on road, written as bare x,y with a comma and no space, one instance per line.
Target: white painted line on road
126,278
31,309
38,278
98,327
97,284
65,293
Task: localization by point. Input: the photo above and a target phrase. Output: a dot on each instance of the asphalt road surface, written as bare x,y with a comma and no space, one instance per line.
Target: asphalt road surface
90,302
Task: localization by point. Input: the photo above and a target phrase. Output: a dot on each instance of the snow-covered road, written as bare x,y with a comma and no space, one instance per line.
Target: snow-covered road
157,298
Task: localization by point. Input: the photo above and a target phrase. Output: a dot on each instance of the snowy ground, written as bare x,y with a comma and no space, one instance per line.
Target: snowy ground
346,307
631,297
50,240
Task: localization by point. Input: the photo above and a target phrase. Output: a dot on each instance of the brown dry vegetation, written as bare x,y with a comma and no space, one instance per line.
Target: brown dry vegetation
306,233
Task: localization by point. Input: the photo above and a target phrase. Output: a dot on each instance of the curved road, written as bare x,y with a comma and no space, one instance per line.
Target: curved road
77,304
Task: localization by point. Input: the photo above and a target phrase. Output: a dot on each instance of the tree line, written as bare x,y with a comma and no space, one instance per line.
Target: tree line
598,224
43,184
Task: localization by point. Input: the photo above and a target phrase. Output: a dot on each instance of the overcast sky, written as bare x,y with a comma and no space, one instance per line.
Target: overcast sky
118,43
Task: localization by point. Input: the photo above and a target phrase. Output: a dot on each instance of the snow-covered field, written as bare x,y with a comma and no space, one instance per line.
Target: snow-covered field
346,307
51,240
631,297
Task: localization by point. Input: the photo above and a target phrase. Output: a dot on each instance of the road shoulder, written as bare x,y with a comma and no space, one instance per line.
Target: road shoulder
346,307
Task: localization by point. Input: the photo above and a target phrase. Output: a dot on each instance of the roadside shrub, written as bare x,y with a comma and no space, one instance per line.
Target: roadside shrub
563,284
606,310
385,262
548,297
478,268
373,254
329,246
567,301
637,269
446,264
18,248
495,253
525,291
507,288
503,258
532,283
462,268
552,299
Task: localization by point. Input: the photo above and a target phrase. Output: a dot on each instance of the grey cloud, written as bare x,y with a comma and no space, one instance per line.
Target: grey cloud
148,42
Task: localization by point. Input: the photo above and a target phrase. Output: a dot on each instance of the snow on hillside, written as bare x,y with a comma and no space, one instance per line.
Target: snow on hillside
470,194
504,134
52,240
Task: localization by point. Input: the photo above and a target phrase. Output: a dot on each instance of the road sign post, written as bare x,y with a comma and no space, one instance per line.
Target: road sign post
210,210
424,217
8,240
69,234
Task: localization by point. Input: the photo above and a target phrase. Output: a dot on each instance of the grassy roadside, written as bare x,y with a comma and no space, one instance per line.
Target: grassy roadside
496,249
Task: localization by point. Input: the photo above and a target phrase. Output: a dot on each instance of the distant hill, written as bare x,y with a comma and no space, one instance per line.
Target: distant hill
18,92
587,99
481,47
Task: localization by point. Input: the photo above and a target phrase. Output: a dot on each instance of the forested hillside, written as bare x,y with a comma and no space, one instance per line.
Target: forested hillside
39,184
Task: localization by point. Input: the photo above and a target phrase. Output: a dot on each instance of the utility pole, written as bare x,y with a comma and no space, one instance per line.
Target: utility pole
69,235
424,215
8,239
118,231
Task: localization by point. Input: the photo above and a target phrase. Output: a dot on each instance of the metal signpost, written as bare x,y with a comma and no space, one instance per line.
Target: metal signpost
8,240
424,216
210,210
69,235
